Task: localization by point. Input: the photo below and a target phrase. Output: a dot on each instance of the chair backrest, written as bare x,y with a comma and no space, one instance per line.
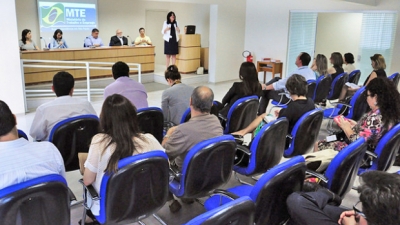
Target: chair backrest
322,88
395,78
337,85
187,114
273,188
138,189
151,120
39,201
73,135
237,212
207,166
305,133
311,85
241,114
343,169
359,105
266,153
354,76
387,149
22,134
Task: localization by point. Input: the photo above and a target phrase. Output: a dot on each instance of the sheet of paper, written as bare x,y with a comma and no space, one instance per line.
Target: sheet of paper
348,84
247,139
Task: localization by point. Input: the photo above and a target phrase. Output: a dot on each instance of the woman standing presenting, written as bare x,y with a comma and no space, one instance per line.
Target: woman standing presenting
170,33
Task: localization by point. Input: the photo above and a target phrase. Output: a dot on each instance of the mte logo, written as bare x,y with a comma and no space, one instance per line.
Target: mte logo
53,14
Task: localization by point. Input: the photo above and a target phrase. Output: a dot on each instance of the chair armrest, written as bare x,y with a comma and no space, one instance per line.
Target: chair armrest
243,149
225,193
91,190
221,117
174,173
318,175
72,197
373,154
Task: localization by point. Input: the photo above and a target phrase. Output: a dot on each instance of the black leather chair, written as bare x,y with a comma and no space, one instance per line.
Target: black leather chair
304,133
138,189
311,85
22,134
337,85
40,201
151,120
395,78
322,88
354,76
236,212
187,114
73,135
241,114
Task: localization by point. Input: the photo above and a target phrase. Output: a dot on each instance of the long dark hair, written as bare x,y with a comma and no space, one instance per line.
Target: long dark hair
169,15
118,120
248,74
56,32
388,99
24,33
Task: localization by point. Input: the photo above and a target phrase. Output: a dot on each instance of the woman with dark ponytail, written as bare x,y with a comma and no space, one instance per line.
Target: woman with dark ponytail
119,138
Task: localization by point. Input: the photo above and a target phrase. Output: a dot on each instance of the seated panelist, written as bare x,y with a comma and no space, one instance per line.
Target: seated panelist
26,42
118,39
58,41
142,39
94,39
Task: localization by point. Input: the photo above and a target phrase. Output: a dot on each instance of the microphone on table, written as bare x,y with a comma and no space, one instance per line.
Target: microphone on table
45,44
129,38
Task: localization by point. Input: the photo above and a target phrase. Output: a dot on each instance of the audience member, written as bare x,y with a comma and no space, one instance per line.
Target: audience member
337,65
384,101
64,106
120,137
58,41
123,85
94,39
379,197
378,65
249,86
320,66
348,61
297,87
175,100
274,88
118,39
201,126
26,42
20,159
142,39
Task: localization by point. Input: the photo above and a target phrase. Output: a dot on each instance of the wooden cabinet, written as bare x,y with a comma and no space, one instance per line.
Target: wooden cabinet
267,66
204,58
188,59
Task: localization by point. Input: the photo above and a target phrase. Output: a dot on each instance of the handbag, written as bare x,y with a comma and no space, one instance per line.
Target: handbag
319,161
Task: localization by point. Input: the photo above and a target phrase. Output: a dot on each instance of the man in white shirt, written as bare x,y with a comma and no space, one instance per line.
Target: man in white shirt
21,160
118,39
274,88
142,39
64,106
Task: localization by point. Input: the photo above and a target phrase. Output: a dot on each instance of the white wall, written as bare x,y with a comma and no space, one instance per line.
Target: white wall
267,24
11,89
338,32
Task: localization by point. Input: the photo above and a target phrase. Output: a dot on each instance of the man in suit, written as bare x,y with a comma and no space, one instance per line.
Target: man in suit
118,39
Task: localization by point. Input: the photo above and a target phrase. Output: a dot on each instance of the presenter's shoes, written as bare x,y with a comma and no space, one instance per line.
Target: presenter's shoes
175,206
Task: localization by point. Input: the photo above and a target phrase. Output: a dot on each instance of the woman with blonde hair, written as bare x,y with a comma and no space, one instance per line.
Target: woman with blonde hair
320,65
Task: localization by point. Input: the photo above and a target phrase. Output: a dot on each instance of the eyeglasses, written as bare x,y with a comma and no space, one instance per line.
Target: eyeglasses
358,211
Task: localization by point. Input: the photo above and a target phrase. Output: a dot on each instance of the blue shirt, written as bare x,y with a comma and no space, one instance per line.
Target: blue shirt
90,41
305,71
55,44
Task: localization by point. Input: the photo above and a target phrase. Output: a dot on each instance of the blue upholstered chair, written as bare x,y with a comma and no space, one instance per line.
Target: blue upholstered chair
22,134
40,201
151,120
186,115
304,133
269,193
239,211
337,85
73,135
354,76
322,88
342,171
207,166
395,78
266,148
311,85
138,189
241,114
385,152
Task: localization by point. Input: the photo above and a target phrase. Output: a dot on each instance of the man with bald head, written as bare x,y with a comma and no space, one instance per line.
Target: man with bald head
118,39
201,126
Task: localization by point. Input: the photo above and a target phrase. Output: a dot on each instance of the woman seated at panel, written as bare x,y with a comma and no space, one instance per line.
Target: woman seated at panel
58,41
249,86
26,42
378,64
297,87
320,66
384,102
175,100
348,63
120,137
337,65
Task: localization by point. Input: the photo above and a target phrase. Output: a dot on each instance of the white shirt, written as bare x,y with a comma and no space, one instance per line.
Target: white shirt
167,34
50,113
305,71
21,160
348,68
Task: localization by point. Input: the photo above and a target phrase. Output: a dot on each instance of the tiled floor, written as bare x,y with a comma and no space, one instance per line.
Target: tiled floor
154,98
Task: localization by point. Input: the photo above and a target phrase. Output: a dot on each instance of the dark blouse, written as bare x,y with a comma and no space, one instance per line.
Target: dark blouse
295,110
339,70
379,73
234,93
